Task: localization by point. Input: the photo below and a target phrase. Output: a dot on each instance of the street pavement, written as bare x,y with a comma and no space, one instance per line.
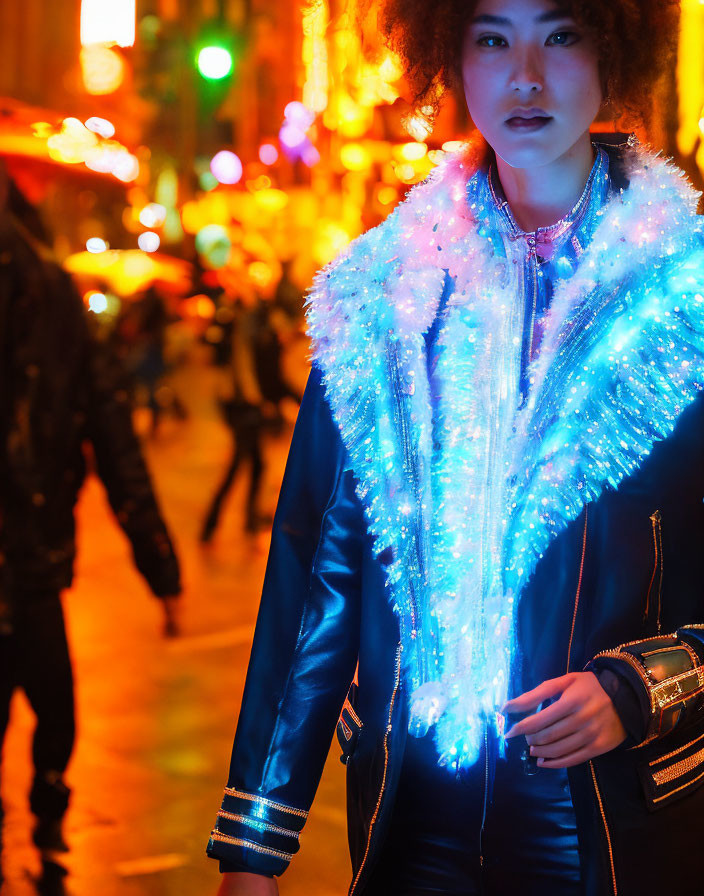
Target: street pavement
156,716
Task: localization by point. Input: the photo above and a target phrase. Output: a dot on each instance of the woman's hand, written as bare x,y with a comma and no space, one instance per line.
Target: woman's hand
581,724
241,883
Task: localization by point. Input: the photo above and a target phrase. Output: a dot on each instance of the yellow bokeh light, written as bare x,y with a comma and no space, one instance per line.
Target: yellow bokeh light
390,69
314,52
330,239
263,182
418,127
412,152
355,157
690,80
205,307
103,70
128,272
73,142
349,118
261,274
271,200
42,129
192,218
406,173
387,195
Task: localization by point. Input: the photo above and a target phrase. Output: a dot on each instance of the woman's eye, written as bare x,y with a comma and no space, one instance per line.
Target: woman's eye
491,40
563,38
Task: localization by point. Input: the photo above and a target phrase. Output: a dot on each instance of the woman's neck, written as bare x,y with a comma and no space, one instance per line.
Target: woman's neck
540,196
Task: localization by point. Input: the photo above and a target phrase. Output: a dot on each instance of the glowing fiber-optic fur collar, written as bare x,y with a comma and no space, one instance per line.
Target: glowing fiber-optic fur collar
468,494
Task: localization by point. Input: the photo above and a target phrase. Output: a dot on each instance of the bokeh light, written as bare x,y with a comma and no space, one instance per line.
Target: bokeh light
108,22
207,181
214,63
125,167
271,200
152,215
103,70
310,155
261,274
355,157
101,126
297,114
97,302
73,142
226,167
412,152
292,136
268,154
387,195
149,241
96,245
213,244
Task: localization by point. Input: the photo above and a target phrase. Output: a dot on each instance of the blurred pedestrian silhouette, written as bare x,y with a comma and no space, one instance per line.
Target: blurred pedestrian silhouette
60,391
141,333
253,392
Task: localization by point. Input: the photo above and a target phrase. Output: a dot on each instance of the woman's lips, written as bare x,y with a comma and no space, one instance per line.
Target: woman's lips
537,123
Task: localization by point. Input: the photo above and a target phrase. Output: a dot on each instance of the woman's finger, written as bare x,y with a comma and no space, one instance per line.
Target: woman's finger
564,727
532,699
576,758
543,719
563,747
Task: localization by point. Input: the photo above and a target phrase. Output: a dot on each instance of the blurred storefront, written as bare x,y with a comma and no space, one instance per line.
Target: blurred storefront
241,135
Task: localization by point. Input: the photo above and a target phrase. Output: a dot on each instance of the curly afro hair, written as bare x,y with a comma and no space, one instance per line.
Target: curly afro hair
636,41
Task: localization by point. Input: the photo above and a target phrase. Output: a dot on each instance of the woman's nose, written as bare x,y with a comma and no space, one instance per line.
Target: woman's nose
527,74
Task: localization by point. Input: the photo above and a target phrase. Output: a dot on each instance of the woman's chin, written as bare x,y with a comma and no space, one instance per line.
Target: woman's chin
524,153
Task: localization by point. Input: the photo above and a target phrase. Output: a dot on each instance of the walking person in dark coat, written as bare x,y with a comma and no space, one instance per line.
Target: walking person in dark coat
59,391
255,389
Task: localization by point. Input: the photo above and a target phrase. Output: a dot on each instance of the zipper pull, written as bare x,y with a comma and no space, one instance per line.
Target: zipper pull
656,521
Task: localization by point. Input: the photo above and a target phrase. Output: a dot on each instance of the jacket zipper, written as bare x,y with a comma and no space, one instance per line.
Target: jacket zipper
533,265
397,678
486,796
606,829
579,586
656,521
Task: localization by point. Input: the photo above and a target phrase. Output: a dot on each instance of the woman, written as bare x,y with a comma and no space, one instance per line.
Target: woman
495,491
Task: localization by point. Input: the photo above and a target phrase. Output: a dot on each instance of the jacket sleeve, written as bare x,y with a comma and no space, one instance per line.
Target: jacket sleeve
122,469
304,652
666,675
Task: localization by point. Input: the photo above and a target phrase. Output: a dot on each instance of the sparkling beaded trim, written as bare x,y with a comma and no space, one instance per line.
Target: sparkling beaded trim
677,769
258,825
255,847
263,801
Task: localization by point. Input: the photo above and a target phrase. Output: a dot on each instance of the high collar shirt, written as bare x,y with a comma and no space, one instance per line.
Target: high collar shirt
543,256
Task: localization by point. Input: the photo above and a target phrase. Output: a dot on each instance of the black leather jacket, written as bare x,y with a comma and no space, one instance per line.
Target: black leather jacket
617,592
632,559
61,391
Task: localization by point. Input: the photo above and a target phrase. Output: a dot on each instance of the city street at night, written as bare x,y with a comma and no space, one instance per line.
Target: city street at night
156,717
471,234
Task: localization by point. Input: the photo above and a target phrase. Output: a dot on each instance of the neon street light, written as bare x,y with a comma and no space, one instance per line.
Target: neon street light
108,22
214,63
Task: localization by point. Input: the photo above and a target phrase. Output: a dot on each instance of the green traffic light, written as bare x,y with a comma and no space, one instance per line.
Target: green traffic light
215,63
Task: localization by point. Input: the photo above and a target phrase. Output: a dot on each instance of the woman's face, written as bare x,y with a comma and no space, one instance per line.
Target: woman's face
531,79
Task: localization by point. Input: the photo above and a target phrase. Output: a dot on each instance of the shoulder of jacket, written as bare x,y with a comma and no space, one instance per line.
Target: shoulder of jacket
655,178
393,245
